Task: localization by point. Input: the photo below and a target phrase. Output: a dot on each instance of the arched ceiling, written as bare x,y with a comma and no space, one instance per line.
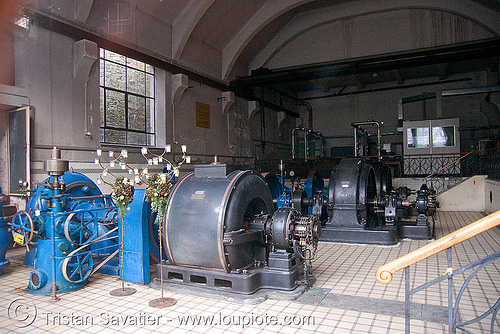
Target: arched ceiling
247,33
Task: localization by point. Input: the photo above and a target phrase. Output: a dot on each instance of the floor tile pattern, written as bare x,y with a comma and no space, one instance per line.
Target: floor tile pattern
341,269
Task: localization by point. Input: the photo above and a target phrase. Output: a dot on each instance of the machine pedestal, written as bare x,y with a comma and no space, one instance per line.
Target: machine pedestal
419,229
246,282
385,235
41,279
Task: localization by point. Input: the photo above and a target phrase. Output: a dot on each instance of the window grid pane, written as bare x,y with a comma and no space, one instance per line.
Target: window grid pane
127,100
150,85
136,81
114,75
115,109
136,113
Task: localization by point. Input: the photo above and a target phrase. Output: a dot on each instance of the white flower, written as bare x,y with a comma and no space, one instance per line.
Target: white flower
125,180
122,197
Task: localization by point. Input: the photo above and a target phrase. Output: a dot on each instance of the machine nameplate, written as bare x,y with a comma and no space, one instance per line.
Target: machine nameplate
199,194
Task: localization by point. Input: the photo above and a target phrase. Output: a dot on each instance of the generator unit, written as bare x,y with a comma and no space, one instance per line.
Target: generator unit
351,209
222,231
359,204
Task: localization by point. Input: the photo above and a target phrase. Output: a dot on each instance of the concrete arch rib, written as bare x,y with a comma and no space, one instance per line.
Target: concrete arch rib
82,11
184,25
466,8
268,12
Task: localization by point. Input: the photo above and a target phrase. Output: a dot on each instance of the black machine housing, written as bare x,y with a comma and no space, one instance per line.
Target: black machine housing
351,198
220,232
362,207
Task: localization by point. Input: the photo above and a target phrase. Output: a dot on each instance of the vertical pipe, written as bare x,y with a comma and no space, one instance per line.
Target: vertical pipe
57,209
53,239
355,142
439,103
281,168
262,121
310,123
322,138
293,139
379,141
400,113
173,121
122,229
407,300
305,145
451,320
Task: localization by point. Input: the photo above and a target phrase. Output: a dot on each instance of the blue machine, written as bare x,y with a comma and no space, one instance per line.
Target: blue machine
76,186
302,200
6,239
280,193
66,214
77,229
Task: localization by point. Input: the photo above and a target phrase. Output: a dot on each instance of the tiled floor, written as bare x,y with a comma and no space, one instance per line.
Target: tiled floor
345,275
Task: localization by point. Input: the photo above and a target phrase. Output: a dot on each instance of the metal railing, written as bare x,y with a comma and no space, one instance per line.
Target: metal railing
493,165
385,272
454,172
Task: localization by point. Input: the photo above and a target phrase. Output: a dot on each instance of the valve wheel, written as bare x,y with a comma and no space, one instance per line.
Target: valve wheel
80,227
39,224
22,223
77,267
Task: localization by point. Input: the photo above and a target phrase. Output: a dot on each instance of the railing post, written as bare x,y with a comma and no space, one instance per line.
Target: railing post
449,272
407,300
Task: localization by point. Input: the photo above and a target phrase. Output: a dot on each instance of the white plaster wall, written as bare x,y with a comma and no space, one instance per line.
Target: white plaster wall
4,121
45,66
200,140
153,35
492,196
467,196
202,58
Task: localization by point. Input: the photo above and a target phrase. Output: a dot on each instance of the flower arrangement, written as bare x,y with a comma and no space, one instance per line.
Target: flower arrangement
157,189
123,192
157,185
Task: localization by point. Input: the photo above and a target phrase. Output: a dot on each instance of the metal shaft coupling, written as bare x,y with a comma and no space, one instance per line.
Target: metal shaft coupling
56,166
287,227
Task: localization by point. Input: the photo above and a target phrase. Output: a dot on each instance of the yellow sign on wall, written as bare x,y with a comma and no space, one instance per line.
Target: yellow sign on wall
202,115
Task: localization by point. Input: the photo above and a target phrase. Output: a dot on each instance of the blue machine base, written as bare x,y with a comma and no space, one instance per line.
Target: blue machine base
47,288
4,264
29,257
111,268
